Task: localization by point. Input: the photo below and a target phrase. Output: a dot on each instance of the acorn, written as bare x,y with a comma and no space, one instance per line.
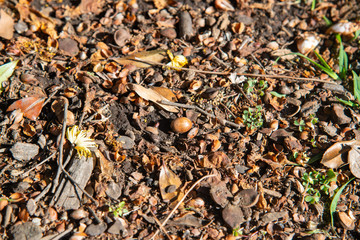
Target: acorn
181,125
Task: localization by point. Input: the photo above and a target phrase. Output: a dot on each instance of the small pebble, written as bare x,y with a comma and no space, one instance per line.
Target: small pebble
126,142
24,151
273,45
185,25
26,231
69,46
168,33
96,229
21,27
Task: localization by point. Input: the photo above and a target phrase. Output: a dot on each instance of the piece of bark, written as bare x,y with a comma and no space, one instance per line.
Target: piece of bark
66,195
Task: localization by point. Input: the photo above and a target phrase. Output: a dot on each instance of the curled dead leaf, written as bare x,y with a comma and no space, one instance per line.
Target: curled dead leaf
169,184
58,108
24,215
121,36
332,157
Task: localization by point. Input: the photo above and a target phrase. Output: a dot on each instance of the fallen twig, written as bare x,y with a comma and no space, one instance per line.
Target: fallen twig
60,161
64,233
61,148
179,203
160,225
238,74
223,121
37,165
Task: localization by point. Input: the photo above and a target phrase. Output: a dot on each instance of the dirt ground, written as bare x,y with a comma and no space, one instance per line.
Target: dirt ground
165,119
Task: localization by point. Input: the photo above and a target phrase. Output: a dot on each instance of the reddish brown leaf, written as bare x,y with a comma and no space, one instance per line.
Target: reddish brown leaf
24,215
30,107
3,203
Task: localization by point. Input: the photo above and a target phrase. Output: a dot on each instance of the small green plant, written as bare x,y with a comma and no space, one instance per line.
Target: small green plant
253,117
322,65
313,5
249,86
314,120
299,157
237,232
300,123
335,200
356,80
315,183
256,87
119,209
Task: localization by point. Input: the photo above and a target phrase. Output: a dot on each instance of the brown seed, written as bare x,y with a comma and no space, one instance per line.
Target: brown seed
181,125
79,214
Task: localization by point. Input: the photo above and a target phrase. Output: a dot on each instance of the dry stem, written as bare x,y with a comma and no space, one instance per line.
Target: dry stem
239,74
179,203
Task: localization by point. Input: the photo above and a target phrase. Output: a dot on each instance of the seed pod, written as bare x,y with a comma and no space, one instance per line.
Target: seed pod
307,43
343,28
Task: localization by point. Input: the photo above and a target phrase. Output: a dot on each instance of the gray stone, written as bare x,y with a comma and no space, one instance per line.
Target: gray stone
21,187
126,142
26,231
24,151
96,229
233,215
31,206
113,191
42,141
116,228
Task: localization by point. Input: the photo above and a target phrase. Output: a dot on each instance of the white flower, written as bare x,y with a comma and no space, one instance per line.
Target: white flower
80,141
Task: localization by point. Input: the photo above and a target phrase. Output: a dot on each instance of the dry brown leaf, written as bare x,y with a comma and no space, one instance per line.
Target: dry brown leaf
154,56
160,4
17,197
165,92
169,184
37,19
106,167
151,95
24,215
354,161
332,156
3,203
30,107
93,6
6,25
